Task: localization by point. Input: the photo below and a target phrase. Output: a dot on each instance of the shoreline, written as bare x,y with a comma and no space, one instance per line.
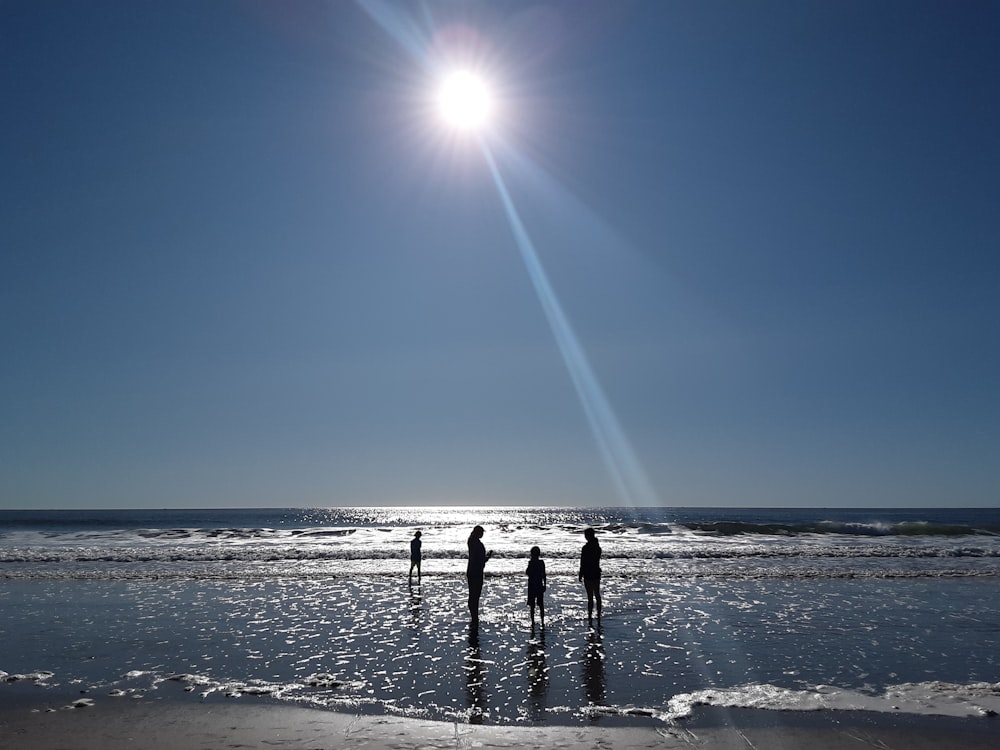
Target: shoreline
170,724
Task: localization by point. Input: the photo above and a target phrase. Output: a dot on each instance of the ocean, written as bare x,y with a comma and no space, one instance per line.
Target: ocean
890,610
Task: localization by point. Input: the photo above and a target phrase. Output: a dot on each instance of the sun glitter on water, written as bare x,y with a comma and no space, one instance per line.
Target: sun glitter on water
465,101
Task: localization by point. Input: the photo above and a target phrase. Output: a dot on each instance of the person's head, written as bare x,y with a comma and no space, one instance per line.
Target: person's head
416,534
477,533
589,535
536,552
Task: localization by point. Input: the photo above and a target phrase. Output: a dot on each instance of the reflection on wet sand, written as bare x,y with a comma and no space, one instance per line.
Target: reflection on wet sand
416,605
594,678
475,690
373,645
538,676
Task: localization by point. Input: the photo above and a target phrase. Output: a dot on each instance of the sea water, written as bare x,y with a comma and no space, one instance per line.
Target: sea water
889,610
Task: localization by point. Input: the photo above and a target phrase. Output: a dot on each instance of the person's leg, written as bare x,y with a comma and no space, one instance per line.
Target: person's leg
475,592
597,595
541,610
589,586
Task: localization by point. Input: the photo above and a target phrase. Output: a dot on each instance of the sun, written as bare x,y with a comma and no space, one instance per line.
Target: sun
465,101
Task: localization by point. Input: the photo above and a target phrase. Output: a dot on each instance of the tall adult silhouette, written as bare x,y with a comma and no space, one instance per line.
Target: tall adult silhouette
537,581
590,572
475,571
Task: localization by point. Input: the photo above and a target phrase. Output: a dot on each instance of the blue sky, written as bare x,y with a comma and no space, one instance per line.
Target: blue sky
244,263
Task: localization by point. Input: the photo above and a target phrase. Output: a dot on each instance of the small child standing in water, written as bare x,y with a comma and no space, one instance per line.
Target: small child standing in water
536,584
415,556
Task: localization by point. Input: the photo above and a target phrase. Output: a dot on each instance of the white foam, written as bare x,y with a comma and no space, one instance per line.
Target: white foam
928,698
40,676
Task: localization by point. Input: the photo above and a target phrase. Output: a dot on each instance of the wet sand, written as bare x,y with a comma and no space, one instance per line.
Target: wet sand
178,725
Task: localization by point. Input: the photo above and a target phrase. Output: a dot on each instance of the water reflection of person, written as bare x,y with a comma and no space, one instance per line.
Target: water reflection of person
475,690
594,679
415,556
476,570
590,572
416,605
538,676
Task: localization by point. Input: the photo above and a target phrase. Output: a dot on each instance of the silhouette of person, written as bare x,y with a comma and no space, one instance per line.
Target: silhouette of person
475,571
590,572
415,556
536,585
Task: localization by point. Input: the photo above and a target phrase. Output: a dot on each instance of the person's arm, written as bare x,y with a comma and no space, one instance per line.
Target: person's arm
481,555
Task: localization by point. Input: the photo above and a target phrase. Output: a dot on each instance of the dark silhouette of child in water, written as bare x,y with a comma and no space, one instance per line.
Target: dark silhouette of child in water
474,573
590,572
415,555
536,585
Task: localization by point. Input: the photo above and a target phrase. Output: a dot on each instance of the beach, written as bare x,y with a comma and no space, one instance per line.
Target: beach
182,726
269,631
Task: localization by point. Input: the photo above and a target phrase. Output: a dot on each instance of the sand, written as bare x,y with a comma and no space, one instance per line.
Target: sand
169,725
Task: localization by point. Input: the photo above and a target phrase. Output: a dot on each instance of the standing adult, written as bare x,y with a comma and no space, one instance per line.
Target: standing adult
415,556
476,571
590,572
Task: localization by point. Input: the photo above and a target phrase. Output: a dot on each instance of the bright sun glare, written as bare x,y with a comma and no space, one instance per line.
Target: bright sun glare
465,101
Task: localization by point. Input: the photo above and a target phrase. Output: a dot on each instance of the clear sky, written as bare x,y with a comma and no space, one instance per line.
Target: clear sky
244,261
